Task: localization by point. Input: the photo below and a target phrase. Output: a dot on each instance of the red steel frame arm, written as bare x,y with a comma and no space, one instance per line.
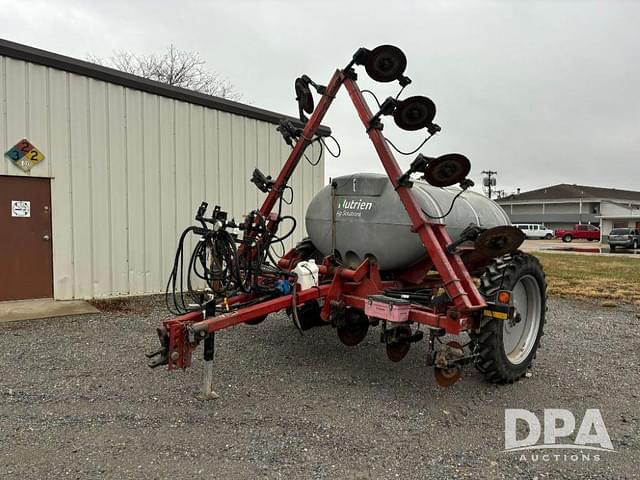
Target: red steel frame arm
456,279
298,150
225,320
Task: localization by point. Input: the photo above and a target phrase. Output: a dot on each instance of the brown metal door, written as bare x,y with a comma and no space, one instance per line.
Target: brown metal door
26,259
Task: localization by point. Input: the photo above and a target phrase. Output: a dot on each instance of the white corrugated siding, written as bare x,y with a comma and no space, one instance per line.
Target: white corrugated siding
128,170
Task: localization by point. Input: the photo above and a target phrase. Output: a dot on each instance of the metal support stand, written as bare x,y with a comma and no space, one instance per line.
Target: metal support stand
207,385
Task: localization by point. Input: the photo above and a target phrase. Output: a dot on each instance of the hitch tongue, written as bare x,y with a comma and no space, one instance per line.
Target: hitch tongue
160,356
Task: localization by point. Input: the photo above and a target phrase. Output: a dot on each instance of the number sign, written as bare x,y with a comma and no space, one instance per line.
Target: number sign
24,155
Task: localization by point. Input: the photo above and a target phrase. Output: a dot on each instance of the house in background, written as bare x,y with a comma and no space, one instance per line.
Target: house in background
564,205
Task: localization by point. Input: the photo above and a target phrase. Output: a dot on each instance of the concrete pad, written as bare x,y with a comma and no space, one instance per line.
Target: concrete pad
16,310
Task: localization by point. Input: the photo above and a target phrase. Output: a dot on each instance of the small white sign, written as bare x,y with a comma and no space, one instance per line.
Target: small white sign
20,208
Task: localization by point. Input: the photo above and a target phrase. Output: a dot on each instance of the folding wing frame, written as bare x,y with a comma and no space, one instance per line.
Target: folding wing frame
186,331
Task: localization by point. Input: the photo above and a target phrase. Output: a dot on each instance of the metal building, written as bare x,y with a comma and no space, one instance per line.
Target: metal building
126,161
564,205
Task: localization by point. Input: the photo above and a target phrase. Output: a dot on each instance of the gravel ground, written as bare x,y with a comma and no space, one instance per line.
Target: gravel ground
77,401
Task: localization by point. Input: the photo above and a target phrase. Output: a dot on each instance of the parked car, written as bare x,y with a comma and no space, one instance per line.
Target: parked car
624,238
582,230
535,230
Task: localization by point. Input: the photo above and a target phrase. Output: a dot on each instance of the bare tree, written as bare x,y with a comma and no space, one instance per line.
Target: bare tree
176,67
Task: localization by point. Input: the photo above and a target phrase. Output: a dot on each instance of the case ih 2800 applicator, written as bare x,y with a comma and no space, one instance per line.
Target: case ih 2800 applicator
378,252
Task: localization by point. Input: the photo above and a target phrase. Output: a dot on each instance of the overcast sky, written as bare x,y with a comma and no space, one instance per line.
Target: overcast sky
544,92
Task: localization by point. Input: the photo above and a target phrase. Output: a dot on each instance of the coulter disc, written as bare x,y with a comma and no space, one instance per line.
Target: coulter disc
398,350
351,335
445,377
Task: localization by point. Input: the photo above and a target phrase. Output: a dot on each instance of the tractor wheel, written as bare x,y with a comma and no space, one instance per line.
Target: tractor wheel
567,238
506,348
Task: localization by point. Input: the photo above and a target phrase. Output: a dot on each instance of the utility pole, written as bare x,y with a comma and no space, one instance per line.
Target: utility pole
489,181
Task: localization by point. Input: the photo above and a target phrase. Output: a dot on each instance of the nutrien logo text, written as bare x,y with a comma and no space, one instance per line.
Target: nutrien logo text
353,208
557,424
355,205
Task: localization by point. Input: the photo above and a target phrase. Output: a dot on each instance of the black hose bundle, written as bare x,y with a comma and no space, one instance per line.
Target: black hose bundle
218,269
214,261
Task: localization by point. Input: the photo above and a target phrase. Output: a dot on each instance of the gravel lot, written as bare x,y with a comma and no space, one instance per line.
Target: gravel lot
77,401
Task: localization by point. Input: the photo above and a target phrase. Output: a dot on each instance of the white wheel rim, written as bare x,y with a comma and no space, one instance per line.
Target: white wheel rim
519,338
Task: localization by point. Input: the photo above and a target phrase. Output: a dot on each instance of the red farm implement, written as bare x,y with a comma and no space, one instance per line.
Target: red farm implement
476,283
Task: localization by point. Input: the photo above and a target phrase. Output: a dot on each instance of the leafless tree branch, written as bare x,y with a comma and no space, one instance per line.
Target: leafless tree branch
175,67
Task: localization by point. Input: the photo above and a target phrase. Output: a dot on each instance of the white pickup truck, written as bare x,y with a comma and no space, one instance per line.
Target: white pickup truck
535,230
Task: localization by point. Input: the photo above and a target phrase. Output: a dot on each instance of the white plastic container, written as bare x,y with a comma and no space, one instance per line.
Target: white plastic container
307,273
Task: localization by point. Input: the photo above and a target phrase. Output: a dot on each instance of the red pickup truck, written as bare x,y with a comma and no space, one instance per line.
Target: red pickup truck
583,230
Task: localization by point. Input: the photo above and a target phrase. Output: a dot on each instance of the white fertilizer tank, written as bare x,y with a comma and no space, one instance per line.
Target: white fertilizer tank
370,219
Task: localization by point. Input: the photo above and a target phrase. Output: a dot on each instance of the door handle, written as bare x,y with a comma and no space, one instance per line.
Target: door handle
46,238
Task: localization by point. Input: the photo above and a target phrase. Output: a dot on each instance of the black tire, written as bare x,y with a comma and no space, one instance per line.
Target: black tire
548,236
567,238
503,274
612,248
